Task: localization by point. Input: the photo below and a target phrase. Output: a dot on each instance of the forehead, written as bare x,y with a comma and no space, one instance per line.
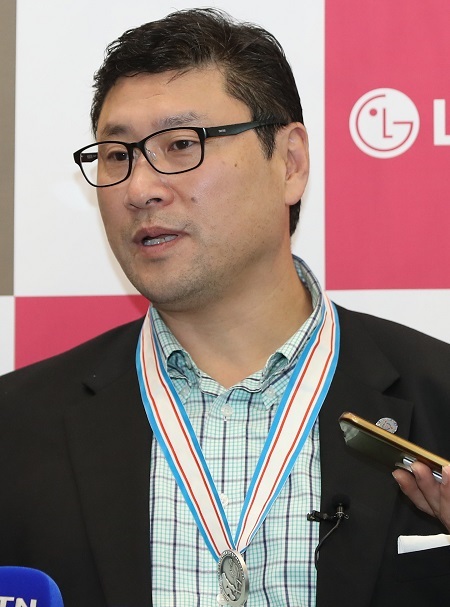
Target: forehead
197,97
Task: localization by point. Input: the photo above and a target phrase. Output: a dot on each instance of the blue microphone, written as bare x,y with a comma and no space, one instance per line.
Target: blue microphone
25,587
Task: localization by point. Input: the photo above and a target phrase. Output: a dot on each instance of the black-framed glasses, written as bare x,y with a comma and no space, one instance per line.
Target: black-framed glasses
170,151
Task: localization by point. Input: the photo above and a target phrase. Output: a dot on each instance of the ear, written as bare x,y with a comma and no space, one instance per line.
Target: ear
296,156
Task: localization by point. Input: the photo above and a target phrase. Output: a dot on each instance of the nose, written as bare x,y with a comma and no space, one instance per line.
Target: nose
145,186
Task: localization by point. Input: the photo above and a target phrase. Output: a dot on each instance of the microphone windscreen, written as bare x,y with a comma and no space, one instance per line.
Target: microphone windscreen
29,587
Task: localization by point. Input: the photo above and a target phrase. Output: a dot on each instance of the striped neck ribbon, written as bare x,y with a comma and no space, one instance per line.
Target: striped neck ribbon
294,418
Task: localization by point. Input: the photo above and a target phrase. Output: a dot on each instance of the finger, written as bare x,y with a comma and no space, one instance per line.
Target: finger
408,485
429,486
445,497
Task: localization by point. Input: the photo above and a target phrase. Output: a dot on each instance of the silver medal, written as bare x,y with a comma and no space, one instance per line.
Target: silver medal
233,578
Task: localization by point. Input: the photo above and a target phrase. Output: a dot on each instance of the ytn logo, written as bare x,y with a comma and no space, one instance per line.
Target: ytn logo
10,601
385,122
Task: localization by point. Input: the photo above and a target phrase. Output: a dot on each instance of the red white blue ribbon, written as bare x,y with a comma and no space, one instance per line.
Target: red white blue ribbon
295,416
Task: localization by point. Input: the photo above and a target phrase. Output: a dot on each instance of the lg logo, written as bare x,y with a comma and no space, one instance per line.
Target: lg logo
385,123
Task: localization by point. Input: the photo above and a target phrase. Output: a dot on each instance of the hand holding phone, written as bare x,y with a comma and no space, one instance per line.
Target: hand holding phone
386,447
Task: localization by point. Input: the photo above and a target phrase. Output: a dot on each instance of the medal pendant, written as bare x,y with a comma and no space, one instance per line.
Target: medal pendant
233,578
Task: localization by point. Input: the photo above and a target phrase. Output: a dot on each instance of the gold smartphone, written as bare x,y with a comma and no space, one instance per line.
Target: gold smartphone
386,447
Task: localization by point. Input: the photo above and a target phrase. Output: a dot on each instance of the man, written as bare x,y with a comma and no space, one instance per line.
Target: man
174,463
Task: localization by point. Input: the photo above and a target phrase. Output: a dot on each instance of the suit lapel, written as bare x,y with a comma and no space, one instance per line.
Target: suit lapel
109,444
350,558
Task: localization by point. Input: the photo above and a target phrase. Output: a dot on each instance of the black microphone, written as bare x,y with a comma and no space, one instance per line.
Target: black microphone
341,503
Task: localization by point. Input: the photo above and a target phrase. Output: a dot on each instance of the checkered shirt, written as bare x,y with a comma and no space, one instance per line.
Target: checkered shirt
232,426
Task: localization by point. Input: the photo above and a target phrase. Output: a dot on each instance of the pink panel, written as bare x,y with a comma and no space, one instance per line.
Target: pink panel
50,325
387,180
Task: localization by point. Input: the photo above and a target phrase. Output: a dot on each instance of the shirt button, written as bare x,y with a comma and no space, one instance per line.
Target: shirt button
184,392
227,410
224,499
270,392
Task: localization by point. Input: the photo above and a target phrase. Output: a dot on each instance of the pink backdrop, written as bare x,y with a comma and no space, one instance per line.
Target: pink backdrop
387,202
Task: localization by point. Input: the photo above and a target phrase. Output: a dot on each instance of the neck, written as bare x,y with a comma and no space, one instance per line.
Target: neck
232,338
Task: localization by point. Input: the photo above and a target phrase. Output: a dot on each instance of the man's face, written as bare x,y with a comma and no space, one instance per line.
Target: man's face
192,239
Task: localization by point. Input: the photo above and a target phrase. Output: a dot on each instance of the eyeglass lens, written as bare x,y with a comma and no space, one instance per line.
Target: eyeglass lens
172,151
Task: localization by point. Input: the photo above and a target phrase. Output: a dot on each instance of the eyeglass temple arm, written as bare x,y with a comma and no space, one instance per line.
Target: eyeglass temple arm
88,156
235,129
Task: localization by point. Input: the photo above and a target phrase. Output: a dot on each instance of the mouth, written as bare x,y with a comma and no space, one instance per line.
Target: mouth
149,241
155,236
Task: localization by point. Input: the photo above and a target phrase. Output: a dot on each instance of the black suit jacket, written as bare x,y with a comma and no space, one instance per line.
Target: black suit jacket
74,470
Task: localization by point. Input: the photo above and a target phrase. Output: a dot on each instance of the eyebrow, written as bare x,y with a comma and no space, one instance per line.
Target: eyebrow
185,119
